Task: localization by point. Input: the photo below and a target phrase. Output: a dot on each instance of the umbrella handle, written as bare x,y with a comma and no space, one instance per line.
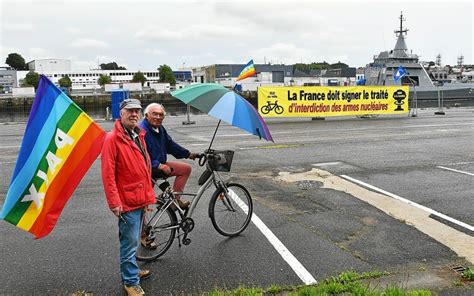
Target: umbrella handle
215,132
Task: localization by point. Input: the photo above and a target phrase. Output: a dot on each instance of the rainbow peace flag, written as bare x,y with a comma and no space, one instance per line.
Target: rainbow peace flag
60,144
247,71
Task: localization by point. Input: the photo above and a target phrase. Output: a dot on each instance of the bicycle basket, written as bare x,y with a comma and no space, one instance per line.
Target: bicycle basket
221,160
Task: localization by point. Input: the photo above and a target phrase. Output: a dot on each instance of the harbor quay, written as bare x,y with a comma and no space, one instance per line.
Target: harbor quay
391,193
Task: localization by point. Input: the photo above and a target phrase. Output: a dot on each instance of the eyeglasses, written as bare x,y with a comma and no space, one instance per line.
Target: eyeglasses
157,114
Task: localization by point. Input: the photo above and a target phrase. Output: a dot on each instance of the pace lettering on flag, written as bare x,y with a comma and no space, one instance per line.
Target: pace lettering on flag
59,145
247,71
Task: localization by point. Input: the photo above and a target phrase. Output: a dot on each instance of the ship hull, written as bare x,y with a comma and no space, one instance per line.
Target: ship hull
442,93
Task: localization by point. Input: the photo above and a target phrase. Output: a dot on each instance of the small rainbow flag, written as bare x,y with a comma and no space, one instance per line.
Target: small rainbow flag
60,144
247,71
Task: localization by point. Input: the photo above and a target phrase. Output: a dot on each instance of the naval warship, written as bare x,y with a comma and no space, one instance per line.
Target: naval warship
381,72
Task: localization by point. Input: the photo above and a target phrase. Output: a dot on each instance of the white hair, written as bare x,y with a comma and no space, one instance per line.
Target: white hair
154,105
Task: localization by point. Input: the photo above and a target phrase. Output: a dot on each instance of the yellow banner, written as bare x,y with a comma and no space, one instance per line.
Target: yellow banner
322,101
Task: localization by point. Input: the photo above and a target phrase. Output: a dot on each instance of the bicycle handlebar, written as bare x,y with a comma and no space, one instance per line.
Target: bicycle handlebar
208,154
202,159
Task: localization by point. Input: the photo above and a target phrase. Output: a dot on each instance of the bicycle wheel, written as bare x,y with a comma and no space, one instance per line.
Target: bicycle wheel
231,212
279,109
159,229
265,109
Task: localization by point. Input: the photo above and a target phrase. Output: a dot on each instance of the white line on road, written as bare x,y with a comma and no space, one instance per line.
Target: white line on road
431,211
457,171
327,163
297,267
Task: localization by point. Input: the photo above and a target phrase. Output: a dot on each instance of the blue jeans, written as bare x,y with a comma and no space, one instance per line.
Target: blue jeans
129,236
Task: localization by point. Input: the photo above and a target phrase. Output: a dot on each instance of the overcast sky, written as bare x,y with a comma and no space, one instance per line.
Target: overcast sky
141,35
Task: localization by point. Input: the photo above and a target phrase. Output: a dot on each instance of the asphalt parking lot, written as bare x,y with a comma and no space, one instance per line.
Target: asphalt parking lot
392,193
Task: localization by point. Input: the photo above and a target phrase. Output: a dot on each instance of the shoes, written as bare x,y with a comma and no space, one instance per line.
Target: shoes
144,273
148,244
182,204
221,196
134,290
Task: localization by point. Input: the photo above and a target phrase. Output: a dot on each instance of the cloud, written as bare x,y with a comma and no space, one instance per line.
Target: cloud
283,17
5,50
72,30
40,53
154,33
283,53
151,51
88,43
18,27
194,32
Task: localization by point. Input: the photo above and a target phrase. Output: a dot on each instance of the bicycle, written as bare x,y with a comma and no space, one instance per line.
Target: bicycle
230,208
272,106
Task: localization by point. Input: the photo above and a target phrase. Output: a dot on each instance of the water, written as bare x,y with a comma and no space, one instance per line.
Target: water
19,110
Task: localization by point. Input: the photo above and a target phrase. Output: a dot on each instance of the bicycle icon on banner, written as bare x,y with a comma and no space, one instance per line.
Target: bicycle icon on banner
272,106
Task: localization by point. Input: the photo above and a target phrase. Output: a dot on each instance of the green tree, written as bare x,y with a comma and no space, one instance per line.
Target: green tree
16,61
166,74
31,79
139,77
313,66
65,81
111,66
104,79
338,65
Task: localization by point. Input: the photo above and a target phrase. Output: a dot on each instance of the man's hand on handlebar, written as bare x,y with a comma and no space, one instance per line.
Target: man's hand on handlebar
193,156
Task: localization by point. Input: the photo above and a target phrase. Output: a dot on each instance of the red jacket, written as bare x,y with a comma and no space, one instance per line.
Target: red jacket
126,174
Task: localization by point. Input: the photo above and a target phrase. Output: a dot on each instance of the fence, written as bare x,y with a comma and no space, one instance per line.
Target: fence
18,109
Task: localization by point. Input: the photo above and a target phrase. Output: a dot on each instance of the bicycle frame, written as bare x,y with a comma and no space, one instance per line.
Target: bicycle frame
196,198
224,206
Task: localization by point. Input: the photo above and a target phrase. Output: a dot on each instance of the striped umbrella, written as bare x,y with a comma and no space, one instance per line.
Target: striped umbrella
226,105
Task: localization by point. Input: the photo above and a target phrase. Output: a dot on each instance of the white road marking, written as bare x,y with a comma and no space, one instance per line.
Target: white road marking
237,135
429,210
462,162
458,241
297,267
327,163
457,171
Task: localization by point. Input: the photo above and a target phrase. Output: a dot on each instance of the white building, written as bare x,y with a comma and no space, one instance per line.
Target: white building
88,79
49,65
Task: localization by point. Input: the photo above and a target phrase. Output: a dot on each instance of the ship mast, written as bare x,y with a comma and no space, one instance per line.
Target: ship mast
401,26
401,48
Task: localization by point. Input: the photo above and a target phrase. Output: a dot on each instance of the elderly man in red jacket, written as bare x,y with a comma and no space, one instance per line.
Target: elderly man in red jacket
126,176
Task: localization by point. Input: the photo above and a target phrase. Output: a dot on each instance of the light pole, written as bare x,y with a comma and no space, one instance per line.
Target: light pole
440,103
188,108
415,99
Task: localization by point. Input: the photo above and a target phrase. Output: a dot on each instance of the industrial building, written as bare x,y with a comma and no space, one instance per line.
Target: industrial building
225,74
